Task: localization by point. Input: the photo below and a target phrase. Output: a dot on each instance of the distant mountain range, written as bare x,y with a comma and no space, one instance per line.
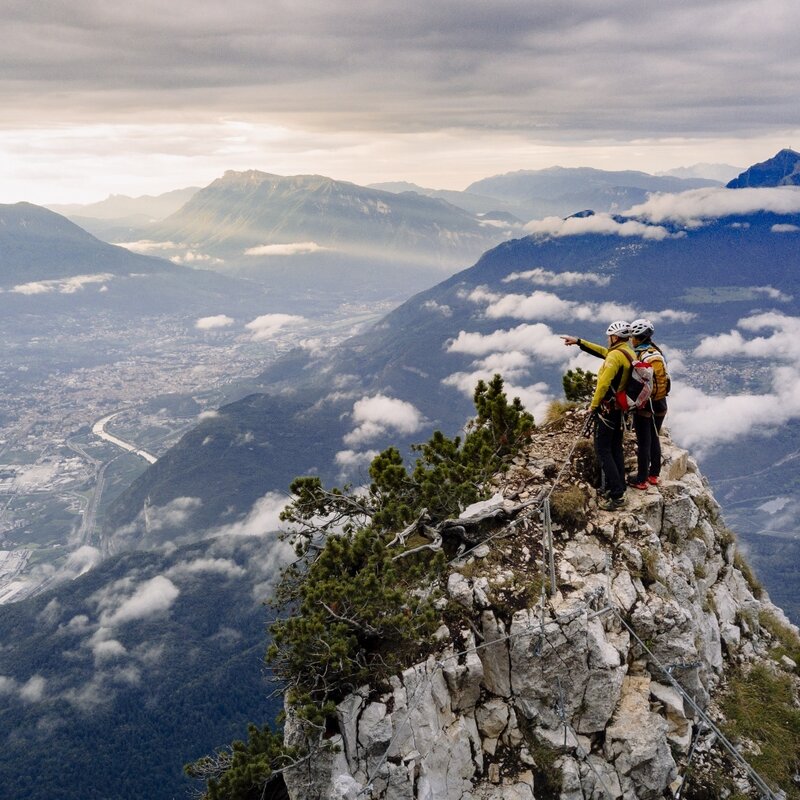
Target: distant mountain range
244,215
45,256
698,280
782,169
713,172
314,237
155,656
120,207
474,203
562,191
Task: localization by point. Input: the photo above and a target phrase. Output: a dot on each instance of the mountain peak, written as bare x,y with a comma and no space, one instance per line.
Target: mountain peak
783,169
608,672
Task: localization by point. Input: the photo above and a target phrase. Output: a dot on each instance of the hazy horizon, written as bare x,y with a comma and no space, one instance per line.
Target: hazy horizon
104,99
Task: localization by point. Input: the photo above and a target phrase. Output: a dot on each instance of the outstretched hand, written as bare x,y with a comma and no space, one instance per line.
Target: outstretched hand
568,340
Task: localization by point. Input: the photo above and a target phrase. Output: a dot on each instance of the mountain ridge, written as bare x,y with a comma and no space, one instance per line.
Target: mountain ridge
607,677
783,169
252,208
409,354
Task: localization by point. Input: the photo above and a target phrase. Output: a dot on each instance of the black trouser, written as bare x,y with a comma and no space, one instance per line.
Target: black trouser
648,444
608,444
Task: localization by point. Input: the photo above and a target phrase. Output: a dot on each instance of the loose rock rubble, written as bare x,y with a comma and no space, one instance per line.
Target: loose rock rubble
540,695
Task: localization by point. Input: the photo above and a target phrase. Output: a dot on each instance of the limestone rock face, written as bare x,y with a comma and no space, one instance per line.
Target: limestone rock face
587,692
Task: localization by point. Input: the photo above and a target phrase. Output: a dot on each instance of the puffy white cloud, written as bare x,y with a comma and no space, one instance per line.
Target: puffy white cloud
177,252
151,597
62,285
535,397
81,561
248,437
32,691
692,207
105,649
290,249
219,566
262,519
702,421
149,246
377,415
784,228
50,614
534,339
539,305
266,326
350,459
670,315
212,323
172,515
80,622
546,305
209,414
438,308
544,277
193,257
783,343
771,292
91,695
597,223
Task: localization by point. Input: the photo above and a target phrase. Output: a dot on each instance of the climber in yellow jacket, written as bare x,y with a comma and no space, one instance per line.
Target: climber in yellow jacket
612,376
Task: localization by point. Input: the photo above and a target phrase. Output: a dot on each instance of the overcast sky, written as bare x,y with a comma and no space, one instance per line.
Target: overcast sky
102,96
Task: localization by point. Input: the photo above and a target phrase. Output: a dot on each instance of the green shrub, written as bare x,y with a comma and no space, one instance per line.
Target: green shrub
650,559
786,641
761,706
353,617
747,573
585,465
352,609
557,409
241,772
579,385
568,507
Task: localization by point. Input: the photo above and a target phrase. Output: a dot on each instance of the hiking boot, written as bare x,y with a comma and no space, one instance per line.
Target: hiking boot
638,484
611,503
653,480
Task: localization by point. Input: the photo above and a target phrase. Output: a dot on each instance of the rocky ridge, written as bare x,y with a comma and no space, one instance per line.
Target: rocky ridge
608,687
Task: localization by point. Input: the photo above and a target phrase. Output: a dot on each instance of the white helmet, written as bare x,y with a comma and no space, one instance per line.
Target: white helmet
641,328
619,328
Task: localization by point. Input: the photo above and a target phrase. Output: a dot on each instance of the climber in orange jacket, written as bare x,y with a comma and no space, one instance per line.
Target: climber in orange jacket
612,376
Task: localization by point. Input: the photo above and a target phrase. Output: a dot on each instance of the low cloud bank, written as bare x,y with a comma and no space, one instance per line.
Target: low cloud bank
376,416
211,323
290,249
545,277
541,305
62,285
597,223
267,326
692,207
688,209
702,421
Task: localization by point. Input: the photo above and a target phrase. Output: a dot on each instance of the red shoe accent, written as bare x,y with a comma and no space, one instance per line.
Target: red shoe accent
642,485
653,480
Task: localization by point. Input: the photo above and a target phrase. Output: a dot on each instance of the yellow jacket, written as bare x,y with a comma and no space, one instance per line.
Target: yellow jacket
615,370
